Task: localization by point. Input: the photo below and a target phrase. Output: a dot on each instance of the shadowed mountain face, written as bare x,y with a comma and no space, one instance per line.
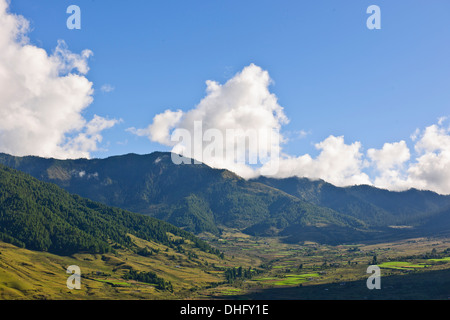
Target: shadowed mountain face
199,198
375,206
42,216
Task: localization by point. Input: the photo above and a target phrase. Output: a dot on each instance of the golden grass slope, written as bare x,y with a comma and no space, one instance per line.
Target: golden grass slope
26,274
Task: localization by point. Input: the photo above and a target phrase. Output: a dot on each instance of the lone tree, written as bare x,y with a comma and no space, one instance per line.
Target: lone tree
374,260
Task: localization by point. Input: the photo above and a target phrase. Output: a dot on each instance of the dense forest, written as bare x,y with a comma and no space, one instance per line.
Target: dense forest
240,273
150,278
42,216
198,198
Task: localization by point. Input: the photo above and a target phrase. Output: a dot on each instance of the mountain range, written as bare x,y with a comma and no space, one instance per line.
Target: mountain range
41,216
198,198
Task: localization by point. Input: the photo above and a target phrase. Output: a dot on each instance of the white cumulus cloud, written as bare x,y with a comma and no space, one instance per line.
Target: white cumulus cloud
160,130
338,163
390,163
428,169
431,169
42,96
243,105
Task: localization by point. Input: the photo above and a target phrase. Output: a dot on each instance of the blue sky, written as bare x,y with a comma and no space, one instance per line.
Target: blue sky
331,74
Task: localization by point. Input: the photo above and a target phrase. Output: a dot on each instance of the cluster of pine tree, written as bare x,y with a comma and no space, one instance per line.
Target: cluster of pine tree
233,274
150,278
41,216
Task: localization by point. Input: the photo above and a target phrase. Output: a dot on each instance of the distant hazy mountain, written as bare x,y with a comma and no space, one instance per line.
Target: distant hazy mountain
389,214
377,207
199,198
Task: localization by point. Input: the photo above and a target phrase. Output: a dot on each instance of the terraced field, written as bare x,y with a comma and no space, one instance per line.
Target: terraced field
277,268
402,265
310,266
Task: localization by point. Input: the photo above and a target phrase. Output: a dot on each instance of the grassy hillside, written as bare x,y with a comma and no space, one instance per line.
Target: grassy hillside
27,274
419,268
